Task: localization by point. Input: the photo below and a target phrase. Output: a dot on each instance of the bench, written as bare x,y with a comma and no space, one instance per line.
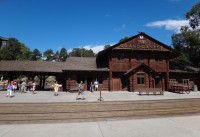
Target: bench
150,91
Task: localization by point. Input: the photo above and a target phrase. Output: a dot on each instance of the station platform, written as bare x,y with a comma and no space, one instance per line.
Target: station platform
177,126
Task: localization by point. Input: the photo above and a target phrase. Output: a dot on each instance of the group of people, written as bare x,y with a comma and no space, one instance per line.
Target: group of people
22,87
93,87
12,86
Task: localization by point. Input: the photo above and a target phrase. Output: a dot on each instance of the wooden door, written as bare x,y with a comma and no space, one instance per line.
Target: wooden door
116,84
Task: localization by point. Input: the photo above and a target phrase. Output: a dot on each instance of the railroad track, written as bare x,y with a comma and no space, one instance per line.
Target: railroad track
32,113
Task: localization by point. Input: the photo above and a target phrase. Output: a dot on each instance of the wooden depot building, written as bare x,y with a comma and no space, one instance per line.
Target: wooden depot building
140,62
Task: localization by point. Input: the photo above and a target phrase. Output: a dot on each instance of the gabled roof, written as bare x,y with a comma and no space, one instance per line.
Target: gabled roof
106,51
139,66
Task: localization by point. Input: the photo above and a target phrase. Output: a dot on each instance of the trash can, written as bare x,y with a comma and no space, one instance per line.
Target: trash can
195,88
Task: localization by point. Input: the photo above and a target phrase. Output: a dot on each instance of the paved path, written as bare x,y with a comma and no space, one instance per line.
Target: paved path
161,127
186,126
48,96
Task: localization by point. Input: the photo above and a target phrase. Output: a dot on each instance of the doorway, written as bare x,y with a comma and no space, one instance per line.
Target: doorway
89,80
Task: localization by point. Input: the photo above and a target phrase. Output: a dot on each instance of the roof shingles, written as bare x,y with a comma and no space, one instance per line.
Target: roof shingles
71,64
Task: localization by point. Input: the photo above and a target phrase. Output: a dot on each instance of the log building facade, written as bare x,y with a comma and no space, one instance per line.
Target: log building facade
138,62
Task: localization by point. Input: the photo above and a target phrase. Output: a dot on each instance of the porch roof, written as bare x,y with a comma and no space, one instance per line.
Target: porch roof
138,66
181,66
71,64
31,66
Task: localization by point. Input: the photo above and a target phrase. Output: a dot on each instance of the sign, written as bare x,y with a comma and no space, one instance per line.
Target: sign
141,44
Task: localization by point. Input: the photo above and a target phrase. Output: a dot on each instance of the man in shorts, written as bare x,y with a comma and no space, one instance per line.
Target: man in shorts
96,85
80,91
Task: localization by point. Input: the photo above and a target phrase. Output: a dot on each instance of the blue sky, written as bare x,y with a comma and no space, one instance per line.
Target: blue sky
53,24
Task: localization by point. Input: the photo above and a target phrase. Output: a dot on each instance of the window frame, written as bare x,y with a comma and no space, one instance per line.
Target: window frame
121,57
140,78
139,58
159,58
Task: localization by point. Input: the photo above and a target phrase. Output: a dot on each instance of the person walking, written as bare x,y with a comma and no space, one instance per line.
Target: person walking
23,87
9,90
80,91
56,87
92,87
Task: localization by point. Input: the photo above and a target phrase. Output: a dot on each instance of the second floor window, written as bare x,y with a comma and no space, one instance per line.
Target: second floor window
158,58
139,58
121,57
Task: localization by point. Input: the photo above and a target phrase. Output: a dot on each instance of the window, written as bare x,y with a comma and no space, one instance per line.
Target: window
139,58
121,57
158,58
140,79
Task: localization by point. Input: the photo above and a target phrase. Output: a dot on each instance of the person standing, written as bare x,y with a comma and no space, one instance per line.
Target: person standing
9,90
56,87
33,87
96,85
92,87
23,87
14,84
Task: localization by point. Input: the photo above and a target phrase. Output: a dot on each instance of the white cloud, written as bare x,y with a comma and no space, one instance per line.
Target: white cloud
169,24
95,48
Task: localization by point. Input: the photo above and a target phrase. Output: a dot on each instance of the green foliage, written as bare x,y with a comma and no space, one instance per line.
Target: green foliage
82,52
56,56
194,16
49,54
63,54
25,53
5,54
36,55
187,42
14,50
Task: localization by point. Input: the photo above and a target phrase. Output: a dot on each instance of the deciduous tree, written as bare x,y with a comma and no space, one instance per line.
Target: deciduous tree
187,41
